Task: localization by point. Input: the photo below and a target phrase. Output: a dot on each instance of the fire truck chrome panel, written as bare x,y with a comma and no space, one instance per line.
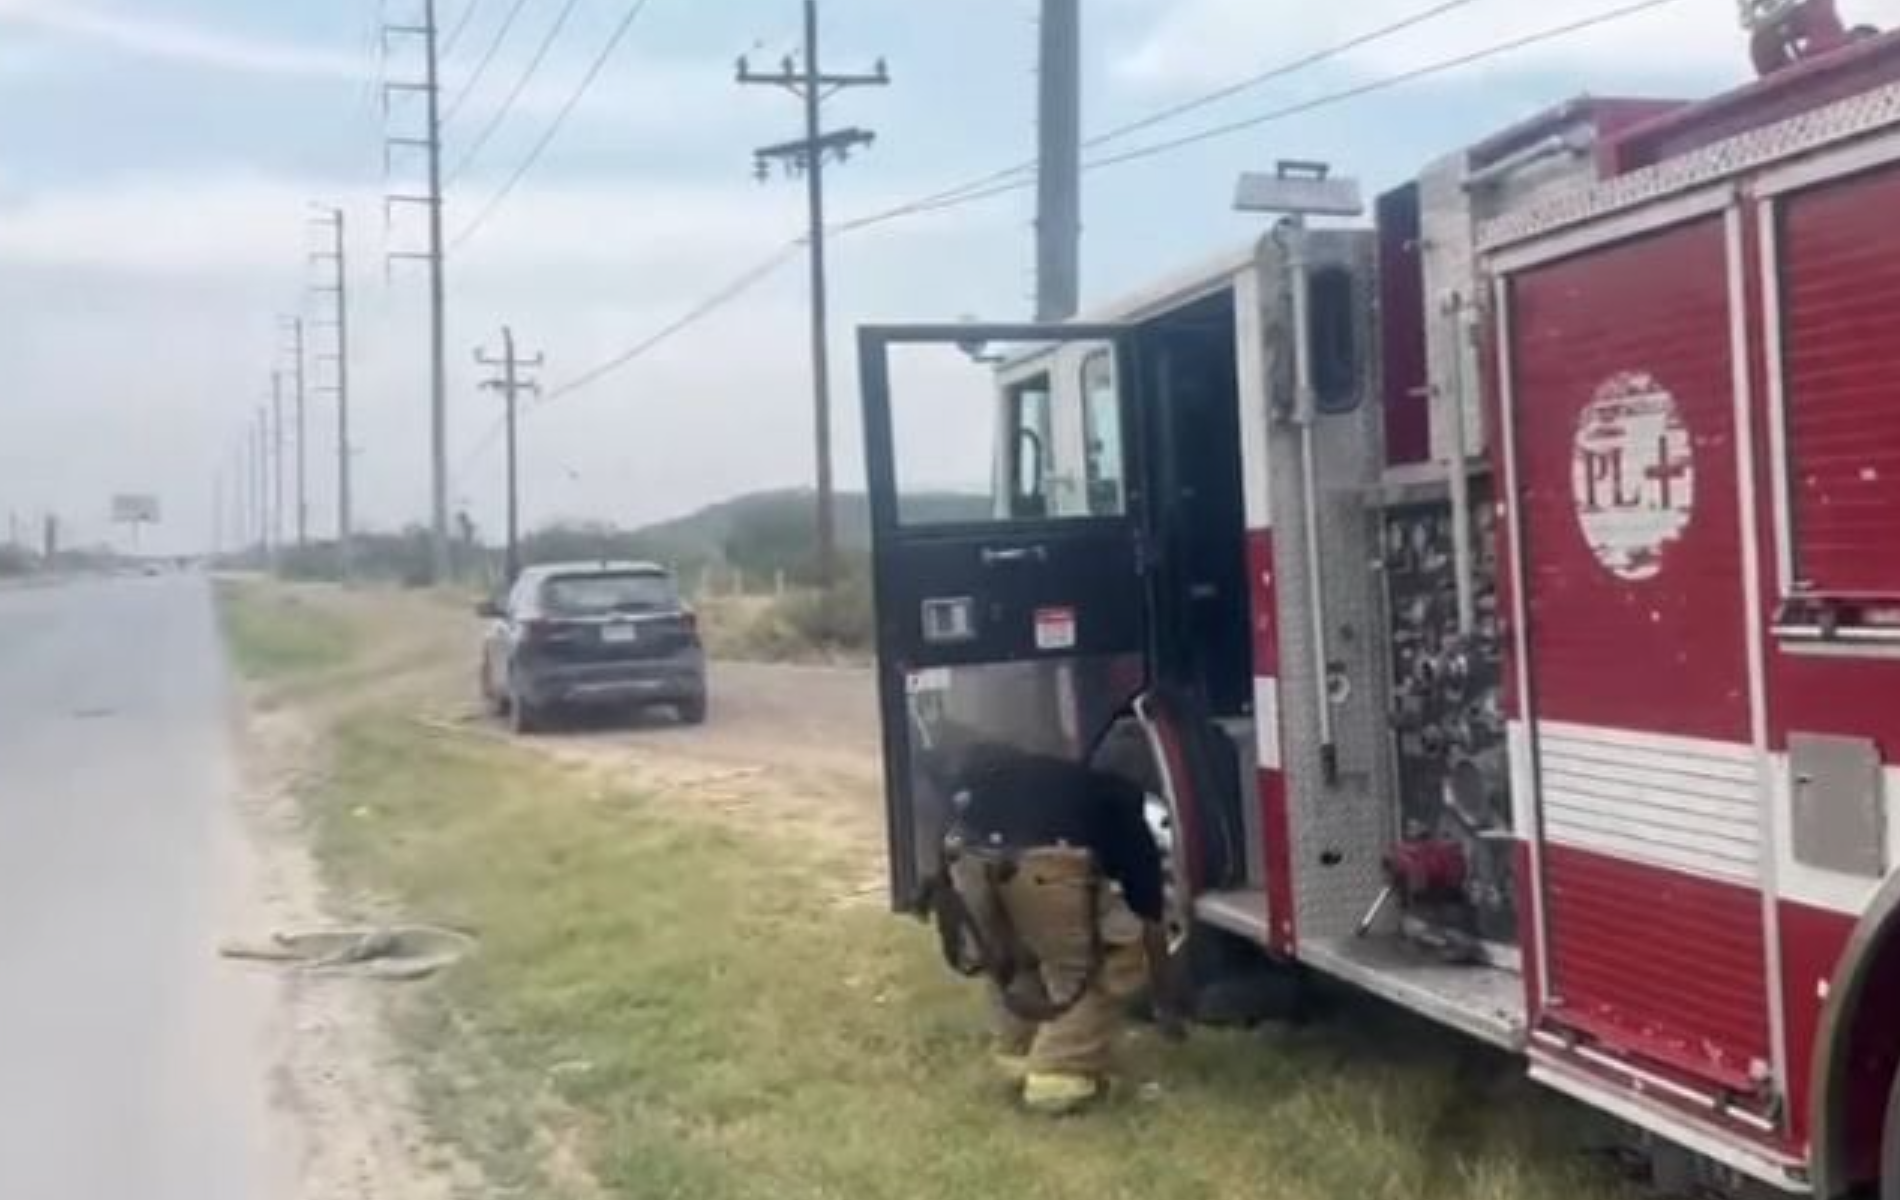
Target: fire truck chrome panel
1567,242
1337,829
1487,1004
1870,112
1822,168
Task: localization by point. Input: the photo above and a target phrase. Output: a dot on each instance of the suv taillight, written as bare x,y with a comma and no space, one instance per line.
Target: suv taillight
689,625
539,631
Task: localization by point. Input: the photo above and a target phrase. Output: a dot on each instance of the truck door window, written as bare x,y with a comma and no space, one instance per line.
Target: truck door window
1334,307
1102,431
1031,449
996,432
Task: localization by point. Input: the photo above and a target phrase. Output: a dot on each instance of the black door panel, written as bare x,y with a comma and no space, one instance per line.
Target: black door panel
1019,594
1027,629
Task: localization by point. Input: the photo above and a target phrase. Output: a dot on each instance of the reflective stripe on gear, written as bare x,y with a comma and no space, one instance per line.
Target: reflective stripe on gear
1056,1094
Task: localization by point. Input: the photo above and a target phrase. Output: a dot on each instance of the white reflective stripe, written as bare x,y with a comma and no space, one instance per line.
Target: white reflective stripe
1733,760
1251,364
1523,779
1727,817
1742,361
1814,887
1768,222
1266,721
1679,804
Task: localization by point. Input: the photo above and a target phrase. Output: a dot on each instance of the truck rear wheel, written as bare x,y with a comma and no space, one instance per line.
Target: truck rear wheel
1233,981
1890,1145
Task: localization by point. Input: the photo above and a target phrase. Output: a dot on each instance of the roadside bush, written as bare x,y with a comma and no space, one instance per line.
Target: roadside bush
799,626
838,619
15,560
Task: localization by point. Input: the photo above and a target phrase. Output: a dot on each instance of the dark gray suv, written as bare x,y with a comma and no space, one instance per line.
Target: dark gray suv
604,634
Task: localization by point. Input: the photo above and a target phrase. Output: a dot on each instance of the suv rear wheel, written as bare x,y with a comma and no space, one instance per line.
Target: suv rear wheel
692,712
495,701
523,718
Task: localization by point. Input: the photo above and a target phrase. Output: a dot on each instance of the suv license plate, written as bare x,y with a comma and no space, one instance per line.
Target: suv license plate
619,635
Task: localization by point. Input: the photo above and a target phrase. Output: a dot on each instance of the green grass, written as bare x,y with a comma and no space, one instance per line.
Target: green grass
694,1014
276,637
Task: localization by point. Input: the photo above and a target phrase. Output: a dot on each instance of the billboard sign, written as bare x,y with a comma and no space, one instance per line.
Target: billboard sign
135,510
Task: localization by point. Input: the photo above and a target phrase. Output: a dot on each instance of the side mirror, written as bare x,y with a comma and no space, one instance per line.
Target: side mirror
489,609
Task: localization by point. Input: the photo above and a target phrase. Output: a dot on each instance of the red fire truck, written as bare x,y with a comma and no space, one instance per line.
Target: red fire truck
1500,603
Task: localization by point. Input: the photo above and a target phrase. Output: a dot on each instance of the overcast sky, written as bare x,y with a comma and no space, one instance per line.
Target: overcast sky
157,158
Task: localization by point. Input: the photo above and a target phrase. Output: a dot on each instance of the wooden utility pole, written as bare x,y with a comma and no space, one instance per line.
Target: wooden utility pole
807,157
511,385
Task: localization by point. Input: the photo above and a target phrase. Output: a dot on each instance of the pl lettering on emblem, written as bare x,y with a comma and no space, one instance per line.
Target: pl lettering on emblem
1632,474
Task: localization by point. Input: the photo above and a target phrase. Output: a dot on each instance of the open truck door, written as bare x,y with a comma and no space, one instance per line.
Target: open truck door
1009,563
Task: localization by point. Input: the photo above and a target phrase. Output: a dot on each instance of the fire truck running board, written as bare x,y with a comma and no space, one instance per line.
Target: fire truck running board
1242,913
1484,1001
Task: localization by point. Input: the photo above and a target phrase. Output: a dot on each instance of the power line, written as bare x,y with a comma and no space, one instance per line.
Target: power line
514,95
727,293
461,26
495,202
1281,71
1000,184
487,60
1384,83
731,291
984,183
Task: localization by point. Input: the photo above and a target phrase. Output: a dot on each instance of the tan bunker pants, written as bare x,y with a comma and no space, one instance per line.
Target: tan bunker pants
1045,913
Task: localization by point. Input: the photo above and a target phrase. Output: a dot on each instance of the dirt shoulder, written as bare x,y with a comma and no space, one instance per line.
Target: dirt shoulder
686,984
337,1072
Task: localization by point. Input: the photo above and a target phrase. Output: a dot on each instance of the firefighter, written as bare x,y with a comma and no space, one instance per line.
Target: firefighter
1054,893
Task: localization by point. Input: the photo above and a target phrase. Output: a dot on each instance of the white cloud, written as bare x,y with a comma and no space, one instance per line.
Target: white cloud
171,41
1191,44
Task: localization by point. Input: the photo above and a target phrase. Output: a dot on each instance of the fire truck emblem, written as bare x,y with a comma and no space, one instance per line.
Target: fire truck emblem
1633,474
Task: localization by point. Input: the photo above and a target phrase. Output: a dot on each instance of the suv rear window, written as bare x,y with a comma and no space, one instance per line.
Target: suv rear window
583,595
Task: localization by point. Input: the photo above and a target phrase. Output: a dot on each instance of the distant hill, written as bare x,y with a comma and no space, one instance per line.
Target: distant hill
761,534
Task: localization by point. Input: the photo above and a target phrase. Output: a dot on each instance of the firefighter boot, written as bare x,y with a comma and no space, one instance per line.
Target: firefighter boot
1059,1094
